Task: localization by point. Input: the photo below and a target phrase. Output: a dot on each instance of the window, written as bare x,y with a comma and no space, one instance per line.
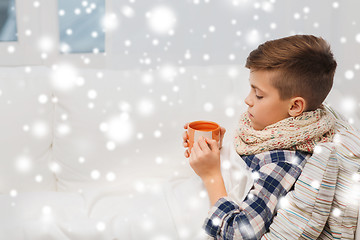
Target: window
8,29
52,31
80,26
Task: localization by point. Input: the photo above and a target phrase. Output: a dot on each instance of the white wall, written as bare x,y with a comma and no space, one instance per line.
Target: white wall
239,26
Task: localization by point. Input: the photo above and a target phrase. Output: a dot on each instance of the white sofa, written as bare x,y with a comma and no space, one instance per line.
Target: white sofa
97,154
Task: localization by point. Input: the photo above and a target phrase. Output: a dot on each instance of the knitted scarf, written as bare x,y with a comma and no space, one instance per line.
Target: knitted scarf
294,133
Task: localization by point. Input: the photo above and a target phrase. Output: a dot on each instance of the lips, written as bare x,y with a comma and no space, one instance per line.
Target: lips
250,115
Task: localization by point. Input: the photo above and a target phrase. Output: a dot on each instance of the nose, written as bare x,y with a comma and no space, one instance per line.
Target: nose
248,101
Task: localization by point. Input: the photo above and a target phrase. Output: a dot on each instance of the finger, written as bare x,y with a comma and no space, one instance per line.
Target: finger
192,154
222,131
186,153
196,149
213,143
185,136
185,144
203,145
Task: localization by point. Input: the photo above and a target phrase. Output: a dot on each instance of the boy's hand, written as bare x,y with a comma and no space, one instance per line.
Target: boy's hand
186,138
205,159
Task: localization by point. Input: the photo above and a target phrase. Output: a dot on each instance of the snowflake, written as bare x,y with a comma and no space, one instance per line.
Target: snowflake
161,19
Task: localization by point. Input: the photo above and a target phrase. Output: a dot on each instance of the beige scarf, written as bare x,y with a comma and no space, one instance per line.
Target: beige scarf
294,133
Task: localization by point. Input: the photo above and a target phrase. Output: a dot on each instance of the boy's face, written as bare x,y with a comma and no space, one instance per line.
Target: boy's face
265,105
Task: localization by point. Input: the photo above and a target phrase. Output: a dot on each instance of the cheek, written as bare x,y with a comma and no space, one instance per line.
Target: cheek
266,111
263,107
273,112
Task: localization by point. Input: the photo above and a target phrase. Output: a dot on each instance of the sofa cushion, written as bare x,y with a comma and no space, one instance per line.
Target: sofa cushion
26,130
119,128
107,139
91,216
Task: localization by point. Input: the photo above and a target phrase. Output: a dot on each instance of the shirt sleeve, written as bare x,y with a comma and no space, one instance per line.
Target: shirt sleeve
252,218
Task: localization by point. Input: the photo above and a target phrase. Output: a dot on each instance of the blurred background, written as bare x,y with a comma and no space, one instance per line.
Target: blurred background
94,95
150,34
181,60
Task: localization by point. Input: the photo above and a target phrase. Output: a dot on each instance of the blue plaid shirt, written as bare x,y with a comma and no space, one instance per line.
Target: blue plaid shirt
277,171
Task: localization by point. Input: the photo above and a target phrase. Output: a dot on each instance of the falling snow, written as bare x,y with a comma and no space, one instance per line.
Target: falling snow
166,63
161,19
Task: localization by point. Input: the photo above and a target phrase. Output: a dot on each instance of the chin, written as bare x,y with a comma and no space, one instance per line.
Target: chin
257,128
252,125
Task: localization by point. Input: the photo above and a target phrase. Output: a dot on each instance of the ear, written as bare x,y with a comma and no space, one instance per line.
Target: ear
297,106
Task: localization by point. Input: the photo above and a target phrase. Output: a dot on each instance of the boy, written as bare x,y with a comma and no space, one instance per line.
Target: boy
289,78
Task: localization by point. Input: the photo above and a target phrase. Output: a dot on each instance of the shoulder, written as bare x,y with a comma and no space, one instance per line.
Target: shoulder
278,157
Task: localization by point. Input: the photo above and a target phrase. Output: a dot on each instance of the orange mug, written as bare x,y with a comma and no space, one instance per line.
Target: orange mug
206,129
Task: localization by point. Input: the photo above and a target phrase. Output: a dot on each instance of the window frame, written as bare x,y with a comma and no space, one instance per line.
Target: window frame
26,18
43,21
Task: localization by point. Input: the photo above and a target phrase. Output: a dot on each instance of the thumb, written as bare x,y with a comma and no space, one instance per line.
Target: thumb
222,131
213,143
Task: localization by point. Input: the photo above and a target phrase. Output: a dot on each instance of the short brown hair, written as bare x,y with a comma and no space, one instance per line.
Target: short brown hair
305,66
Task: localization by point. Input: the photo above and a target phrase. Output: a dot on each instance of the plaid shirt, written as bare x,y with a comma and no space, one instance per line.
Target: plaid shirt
277,172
